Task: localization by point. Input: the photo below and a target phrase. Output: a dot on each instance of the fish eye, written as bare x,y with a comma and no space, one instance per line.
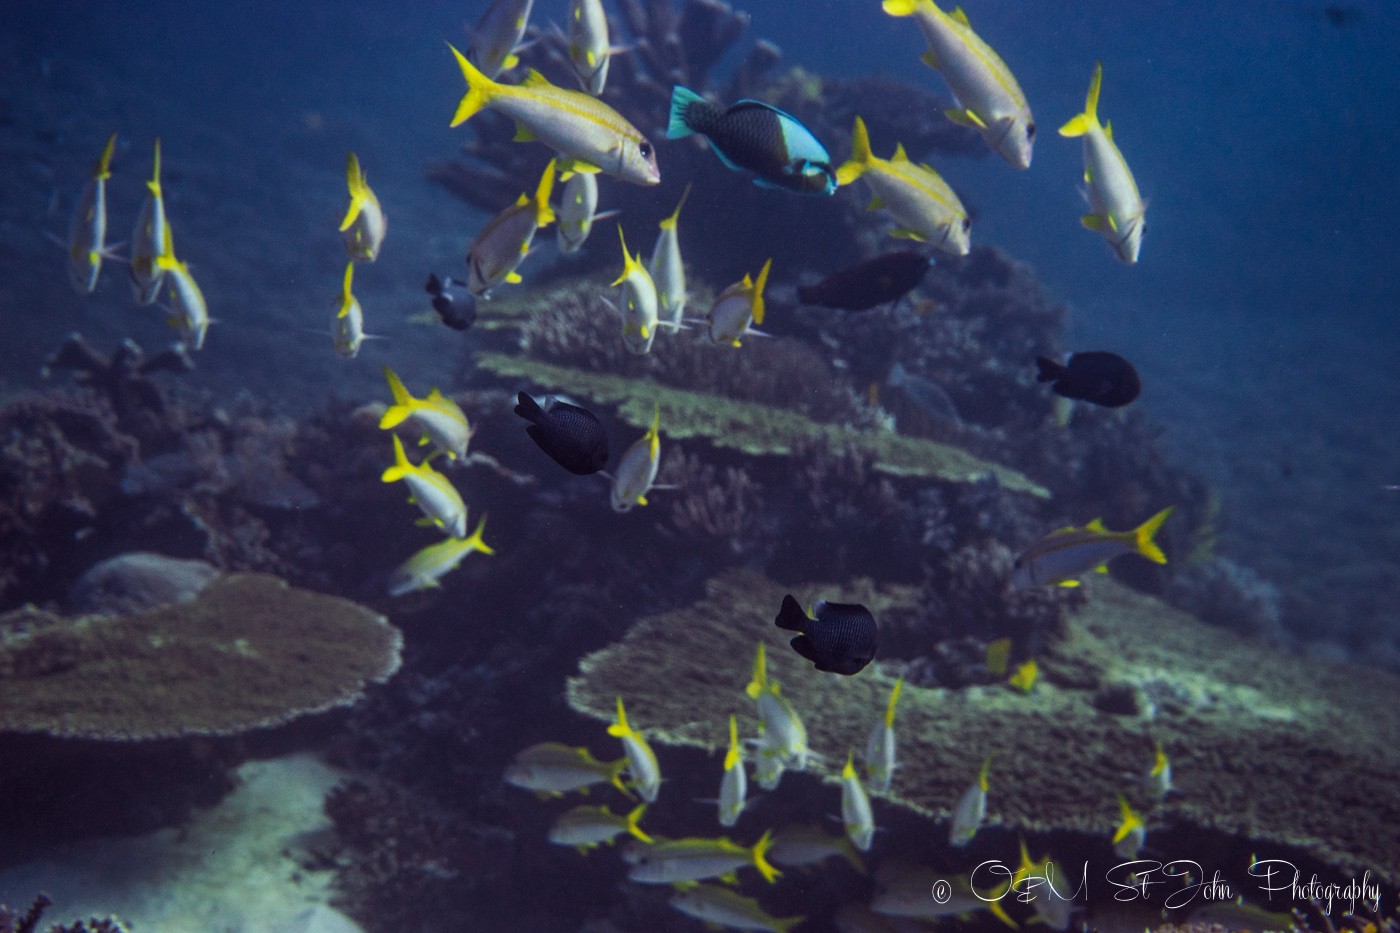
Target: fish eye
1030,131
645,149
967,224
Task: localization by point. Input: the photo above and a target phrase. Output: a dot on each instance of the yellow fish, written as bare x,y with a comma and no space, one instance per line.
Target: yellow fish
147,238
87,233
364,224
1116,210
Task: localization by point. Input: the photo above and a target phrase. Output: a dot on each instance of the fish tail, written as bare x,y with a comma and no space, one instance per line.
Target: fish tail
103,169
634,818
401,467
626,258
901,7
154,184
345,296
760,673
620,728
861,155
682,99
403,401
475,542
894,699
731,757
758,305
784,924
791,616
670,222
1080,124
480,89
529,409
760,860
1049,369
355,180
1143,534
849,771
544,214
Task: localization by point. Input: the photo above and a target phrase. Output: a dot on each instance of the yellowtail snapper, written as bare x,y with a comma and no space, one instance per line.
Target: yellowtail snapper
424,569
147,238
87,233
1064,554
720,907
840,638
752,136
572,436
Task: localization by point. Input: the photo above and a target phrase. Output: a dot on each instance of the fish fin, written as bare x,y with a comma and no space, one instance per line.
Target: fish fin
681,100
758,304
998,653
395,414
860,154
899,154
904,233
523,134
475,542
1081,124
930,59
1049,369
103,168
791,616
570,167
803,646
1068,584
1101,568
633,819
960,15
965,117
1097,525
620,728
760,861
1142,536
1092,222
1108,130
875,204
510,61
401,467
900,7
355,181
544,214
514,278
480,89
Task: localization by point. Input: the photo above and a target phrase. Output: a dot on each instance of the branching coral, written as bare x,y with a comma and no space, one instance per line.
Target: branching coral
28,922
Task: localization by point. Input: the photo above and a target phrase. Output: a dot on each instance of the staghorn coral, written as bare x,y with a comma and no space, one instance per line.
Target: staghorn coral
1245,726
718,509
248,651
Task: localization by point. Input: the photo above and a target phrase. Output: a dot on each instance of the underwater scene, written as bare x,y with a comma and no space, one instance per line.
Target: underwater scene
613,466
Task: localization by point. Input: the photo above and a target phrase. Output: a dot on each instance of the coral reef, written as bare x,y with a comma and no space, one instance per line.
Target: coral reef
123,377
28,922
1243,726
249,651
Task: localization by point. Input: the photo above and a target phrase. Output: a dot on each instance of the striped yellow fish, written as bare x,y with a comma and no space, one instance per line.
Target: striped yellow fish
1116,209
1064,554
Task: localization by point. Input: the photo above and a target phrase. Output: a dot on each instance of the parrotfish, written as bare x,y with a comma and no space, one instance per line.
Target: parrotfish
587,134
915,195
989,99
752,136
865,285
146,239
643,770
87,233
667,270
555,768
1116,210
504,242
1066,553
737,309
636,472
639,315
433,493
856,814
1093,376
720,907
362,229
497,35
348,325
585,827
840,638
440,419
572,436
424,569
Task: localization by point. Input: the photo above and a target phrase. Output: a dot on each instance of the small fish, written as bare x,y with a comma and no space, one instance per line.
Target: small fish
768,766
737,308
882,280
1131,832
839,638
453,301
87,233
555,768
720,907
1116,210
799,845
363,227
855,807
639,317
504,242
585,827
1066,553
496,37
880,747
989,99
587,134
572,436
348,325
667,270
1093,376
146,239
916,196
189,314
1024,677
1159,777
636,472
998,657
643,770
752,136
1045,884
440,419
971,809
734,785
578,211
423,570
696,859
433,493
587,44
903,891
784,736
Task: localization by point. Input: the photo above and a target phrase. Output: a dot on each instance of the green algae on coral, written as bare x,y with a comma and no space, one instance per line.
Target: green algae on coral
249,651
752,428
1264,746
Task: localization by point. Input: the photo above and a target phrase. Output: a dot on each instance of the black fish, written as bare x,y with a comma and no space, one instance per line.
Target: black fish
757,137
1095,376
572,436
867,284
840,640
454,304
